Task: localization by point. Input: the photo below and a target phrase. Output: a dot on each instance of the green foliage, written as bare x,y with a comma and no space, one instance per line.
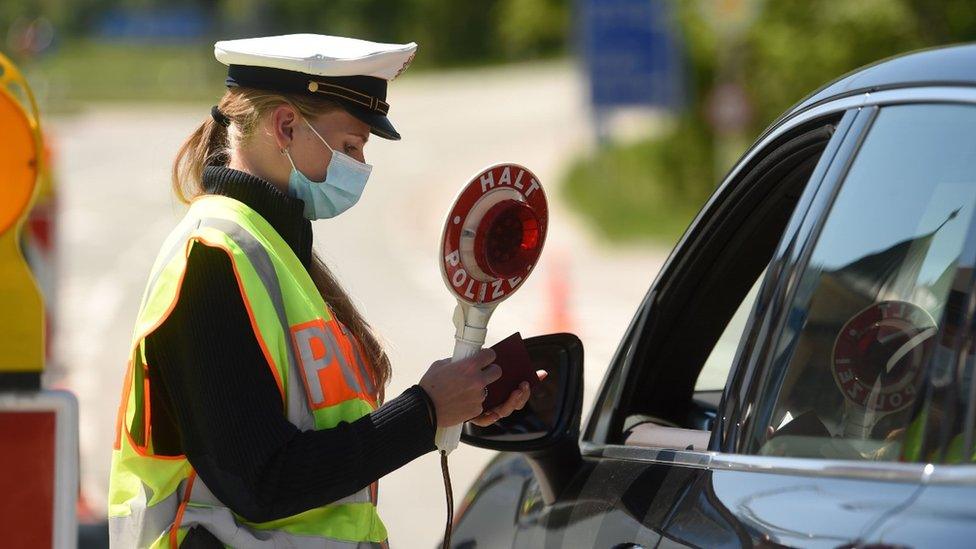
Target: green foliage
793,47
532,28
622,190
92,71
450,33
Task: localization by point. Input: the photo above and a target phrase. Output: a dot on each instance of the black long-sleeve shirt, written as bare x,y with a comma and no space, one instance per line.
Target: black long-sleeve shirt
214,398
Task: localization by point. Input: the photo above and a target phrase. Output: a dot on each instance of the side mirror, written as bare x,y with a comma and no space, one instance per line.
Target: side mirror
553,412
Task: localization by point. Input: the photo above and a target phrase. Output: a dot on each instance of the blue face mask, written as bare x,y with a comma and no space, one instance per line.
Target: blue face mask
344,182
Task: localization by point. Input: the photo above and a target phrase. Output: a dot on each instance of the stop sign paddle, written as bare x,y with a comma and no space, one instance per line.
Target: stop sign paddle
492,240
494,234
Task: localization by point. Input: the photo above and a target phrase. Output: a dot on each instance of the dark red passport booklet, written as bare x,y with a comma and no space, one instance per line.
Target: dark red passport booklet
513,358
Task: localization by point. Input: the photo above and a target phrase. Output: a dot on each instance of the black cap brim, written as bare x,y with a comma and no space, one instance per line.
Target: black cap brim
379,124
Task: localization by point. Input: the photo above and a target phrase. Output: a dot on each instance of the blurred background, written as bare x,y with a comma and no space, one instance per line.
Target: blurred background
629,111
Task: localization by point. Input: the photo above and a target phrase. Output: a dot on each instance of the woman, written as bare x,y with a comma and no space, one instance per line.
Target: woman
252,411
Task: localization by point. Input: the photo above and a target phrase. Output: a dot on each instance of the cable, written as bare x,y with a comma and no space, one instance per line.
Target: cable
449,493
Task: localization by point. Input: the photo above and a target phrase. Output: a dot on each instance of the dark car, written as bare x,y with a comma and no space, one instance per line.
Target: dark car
800,373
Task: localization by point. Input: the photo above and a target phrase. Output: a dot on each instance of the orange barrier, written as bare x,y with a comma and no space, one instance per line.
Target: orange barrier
22,316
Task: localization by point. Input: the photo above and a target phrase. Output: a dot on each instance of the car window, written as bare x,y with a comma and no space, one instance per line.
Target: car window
705,297
715,372
862,324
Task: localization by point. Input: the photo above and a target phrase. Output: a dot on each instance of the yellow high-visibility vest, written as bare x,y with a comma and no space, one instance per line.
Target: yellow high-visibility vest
319,366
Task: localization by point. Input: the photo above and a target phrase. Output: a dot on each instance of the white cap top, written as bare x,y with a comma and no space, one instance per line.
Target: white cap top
318,54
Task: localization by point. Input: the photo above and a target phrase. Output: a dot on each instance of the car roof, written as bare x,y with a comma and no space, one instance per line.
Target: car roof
943,66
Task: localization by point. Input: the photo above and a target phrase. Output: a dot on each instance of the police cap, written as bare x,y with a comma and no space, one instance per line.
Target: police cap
353,73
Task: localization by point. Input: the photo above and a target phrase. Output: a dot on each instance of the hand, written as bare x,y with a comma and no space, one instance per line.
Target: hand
516,401
458,388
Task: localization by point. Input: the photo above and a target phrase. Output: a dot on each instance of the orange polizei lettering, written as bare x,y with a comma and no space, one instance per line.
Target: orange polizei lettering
325,369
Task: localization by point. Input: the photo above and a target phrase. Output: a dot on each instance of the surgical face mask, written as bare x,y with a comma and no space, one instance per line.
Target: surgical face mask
344,182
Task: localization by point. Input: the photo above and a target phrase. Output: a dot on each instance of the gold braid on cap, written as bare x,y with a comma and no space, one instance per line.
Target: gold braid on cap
368,101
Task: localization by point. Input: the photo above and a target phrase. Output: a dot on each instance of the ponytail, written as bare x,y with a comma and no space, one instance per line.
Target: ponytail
206,145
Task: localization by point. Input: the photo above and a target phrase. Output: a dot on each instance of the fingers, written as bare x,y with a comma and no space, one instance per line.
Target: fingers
458,388
486,418
490,374
481,359
524,397
473,374
515,401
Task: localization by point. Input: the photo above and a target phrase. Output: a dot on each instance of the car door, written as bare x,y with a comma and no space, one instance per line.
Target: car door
693,316
845,396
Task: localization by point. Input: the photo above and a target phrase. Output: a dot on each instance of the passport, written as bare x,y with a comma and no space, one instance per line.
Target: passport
512,357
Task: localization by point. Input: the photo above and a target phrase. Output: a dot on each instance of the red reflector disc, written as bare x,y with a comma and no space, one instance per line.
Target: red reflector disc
507,241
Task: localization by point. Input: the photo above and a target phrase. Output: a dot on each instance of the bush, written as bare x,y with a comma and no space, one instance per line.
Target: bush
623,191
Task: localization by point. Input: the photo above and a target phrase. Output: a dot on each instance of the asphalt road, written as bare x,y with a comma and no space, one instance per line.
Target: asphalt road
116,207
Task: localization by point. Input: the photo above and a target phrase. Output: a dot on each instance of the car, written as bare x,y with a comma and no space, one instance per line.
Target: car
800,372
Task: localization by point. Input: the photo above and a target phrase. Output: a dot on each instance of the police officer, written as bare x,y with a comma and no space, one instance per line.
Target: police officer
253,411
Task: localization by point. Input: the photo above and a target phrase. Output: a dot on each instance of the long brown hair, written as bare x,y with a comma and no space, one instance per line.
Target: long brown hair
212,143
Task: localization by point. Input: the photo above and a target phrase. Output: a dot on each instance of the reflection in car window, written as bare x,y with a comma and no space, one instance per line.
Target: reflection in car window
716,369
864,318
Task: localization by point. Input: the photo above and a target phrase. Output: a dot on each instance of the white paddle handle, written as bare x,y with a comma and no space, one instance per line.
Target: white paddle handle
447,438
471,328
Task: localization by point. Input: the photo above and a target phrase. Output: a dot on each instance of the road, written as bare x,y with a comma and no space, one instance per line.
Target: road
116,207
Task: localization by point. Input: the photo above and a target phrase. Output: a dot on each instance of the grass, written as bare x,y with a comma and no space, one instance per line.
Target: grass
90,71
644,191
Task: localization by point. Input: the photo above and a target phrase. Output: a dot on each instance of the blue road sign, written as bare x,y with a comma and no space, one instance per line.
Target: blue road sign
165,24
632,53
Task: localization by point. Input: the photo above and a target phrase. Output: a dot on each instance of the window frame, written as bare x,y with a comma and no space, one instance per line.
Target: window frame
599,425
715,276
721,454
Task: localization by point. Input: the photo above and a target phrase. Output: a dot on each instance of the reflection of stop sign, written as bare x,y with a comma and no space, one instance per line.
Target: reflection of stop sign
494,234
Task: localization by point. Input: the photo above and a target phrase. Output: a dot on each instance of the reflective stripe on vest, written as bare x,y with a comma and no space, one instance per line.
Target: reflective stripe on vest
152,528
297,407
321,373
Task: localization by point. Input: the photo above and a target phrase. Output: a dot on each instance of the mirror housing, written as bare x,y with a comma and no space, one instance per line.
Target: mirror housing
547,429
